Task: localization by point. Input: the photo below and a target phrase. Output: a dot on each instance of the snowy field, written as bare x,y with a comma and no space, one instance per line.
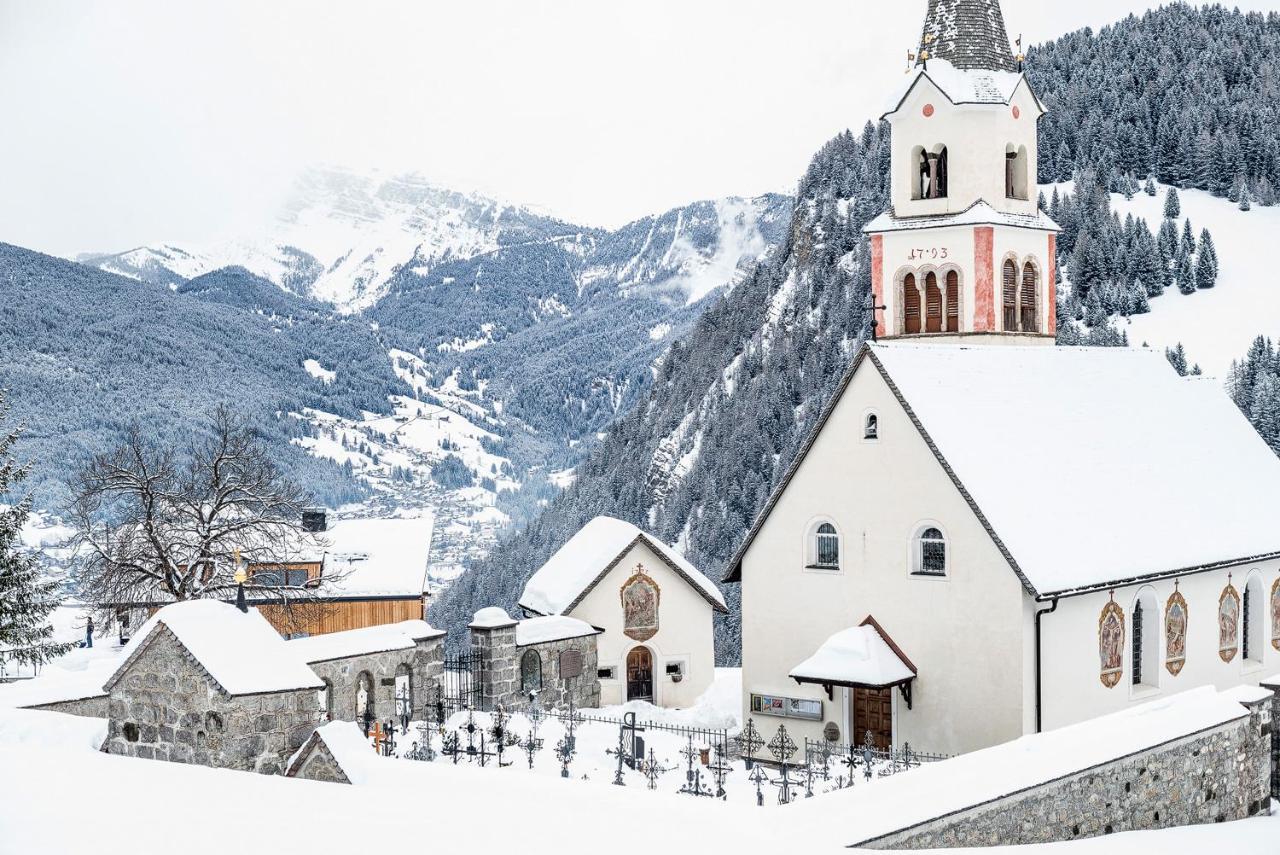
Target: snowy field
1216,325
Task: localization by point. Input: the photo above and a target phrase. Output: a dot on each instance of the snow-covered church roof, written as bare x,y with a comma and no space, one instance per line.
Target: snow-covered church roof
961,86
240,651
588,556
377,557
977,214
1090,467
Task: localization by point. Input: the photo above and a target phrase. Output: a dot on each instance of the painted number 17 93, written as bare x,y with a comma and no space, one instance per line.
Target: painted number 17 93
936,253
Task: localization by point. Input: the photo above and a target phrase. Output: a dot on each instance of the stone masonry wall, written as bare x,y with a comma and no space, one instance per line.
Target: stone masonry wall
317,763
556,691
165,707
1275,737
498,672
425,661
1214,776
91,707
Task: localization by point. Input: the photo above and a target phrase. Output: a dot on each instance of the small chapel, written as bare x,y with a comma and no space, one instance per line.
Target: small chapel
985,535
653,608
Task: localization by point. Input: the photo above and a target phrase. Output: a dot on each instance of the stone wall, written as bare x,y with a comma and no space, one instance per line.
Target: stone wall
497,670
315,762
1216,775
425,662
92,707
165,707
556,690
1274,686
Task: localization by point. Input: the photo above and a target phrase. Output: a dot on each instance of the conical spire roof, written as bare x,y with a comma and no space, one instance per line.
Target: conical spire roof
967,33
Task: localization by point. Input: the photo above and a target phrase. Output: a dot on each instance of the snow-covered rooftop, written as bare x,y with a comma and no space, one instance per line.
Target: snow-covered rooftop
943,788
491,617
240,650
577,566
357,642
56,685
552,628
857,656
959,85
377,557
977,214
1156,474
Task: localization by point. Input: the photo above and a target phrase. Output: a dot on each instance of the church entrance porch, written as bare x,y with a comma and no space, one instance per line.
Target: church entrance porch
640,674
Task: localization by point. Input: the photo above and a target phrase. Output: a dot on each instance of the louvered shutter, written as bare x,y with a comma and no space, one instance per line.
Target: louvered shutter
953,302
910,304
932,304
1029,307
1010,297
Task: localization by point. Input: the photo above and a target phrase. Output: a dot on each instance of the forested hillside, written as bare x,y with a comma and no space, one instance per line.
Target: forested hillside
732,401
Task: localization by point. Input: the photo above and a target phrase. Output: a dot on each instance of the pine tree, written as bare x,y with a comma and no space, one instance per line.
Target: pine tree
1246,201
1172,207
1185,273
26,599
1264,411
1206,262
1150,187
1188,239
1177,357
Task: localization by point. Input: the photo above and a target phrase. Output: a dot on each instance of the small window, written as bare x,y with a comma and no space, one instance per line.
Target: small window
130,731
931,553
1252,622
606,673
872,428
1144,642
825,548
530,672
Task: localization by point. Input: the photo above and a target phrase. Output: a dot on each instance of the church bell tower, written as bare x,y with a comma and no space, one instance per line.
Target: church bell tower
964,250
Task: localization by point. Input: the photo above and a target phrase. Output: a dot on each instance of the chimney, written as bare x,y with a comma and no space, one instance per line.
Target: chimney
314,519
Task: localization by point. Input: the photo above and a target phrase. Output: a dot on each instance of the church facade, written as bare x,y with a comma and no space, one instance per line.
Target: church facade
985,536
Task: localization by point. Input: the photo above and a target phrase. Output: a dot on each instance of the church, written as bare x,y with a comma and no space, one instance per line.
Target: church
985,535
654,610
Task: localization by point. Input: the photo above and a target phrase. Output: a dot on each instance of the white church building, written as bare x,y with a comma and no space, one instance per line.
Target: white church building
978,542
655,611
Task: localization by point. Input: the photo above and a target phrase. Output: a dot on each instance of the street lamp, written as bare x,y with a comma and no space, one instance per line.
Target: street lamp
240,578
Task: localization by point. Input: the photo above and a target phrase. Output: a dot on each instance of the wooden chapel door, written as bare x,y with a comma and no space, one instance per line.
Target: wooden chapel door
873,711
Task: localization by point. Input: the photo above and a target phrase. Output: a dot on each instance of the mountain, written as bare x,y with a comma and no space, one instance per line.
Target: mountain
697,457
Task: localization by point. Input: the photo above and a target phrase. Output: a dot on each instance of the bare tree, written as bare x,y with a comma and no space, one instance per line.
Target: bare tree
156,524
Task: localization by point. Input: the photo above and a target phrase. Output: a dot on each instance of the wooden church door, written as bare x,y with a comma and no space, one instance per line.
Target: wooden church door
873,712
639,674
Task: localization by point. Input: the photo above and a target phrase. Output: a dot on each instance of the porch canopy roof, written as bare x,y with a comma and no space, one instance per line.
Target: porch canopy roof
861,656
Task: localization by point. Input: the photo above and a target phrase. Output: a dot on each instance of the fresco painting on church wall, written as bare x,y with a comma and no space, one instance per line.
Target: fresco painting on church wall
1275,615
1111,644
1228,623
640,606
1175,633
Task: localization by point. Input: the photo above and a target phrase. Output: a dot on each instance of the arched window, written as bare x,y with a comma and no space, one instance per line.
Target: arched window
910,305
404,691
825,547
871,429
1144,641
1010,296
931,553
530,672
931,173
1015,172
1030,279
324,700
953,301
932,304
1253,624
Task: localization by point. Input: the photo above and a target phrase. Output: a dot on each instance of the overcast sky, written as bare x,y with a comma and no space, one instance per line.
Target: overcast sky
139,121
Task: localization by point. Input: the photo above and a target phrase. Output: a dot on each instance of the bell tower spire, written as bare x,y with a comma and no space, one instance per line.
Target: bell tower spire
969,34
964,249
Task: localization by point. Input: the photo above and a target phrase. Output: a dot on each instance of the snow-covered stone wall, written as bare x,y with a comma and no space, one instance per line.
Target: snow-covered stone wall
1216,775
557,689
424,663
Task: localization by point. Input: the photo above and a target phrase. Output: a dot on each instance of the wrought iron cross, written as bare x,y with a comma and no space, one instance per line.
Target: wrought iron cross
749,742
873,308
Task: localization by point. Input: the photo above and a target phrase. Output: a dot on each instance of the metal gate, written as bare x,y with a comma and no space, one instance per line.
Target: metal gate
460,684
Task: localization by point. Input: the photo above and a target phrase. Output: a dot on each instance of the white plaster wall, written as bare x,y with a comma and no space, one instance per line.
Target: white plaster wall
964,633
684,632
976,136
1073,690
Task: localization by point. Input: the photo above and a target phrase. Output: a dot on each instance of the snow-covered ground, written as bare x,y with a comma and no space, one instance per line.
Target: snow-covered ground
1215,325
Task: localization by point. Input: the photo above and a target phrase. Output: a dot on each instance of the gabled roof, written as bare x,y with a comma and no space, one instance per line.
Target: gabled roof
239,651
358,642
578,566
1156,475
978,214
378,557
962,86
969,34
861,656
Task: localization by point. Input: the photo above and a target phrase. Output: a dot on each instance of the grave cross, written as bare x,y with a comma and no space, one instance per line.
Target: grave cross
379,736
749,742
873,309
783,748
653,770
693,774
758,777
720,769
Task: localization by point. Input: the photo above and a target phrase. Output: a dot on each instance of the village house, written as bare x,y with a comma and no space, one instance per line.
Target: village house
653,608
983,536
